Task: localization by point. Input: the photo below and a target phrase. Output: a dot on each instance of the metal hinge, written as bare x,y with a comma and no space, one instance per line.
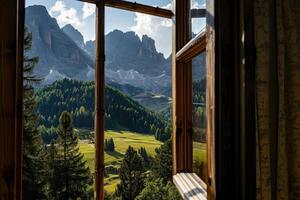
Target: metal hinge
209,181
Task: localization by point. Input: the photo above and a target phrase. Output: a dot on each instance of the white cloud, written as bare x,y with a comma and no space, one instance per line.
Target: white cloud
88,9
64,15
155,27
197,5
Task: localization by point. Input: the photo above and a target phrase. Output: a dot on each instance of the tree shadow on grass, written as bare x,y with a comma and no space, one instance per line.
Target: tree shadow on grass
115,154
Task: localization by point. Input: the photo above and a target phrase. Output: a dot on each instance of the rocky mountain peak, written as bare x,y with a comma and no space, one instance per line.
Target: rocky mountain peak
148,44
57,52
74,34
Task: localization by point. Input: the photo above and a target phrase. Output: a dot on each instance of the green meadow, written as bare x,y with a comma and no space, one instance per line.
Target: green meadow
199,152
122,140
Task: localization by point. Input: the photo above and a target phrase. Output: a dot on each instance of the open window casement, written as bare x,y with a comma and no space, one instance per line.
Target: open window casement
193,105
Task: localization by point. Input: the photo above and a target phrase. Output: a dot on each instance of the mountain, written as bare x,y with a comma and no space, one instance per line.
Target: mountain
74,34
59,56
121,111
129,60
126,88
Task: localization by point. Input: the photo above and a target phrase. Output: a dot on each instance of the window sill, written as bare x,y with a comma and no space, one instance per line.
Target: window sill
190,186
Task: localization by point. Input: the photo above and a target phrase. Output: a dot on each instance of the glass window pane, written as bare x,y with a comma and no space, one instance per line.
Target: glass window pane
199,117
58,103
197,24
138,104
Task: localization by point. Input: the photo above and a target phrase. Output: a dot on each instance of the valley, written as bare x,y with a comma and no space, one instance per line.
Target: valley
122,140
137,102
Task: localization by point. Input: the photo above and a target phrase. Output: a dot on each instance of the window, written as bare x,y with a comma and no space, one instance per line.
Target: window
190,108
199,117
193,90
197,15
85,99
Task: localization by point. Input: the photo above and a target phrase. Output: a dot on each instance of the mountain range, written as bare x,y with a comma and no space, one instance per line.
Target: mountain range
130,61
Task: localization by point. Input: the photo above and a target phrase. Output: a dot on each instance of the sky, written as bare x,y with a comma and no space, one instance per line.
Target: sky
82,17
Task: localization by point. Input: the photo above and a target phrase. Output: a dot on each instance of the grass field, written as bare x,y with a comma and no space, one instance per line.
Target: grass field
200,160
199,152
122,140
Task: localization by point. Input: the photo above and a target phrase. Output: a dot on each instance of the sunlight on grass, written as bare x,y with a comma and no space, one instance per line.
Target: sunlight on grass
122,140
199,152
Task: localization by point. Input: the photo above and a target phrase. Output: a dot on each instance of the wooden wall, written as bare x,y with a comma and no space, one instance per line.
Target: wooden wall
10,101
234,118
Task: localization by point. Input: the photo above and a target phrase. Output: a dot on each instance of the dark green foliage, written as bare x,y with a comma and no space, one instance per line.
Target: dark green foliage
34,165
70,176
199,88
158,190
172,192
199,116
48,134
131,175
145,157
109,145
163,134
162,166
77,97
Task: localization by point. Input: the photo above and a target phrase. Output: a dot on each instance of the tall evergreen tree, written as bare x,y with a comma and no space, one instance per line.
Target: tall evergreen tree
145,157
131,175
109,145
71,176
162,167
34,165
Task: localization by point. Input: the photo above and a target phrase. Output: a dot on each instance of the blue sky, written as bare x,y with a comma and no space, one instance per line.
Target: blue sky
82,17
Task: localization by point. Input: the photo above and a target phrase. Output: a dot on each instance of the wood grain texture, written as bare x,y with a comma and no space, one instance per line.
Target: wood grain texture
182,140
135,7
210,98
99,101
193,48
277,40
190,186
11,52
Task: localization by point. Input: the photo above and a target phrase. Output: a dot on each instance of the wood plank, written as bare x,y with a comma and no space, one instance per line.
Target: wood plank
211,98
19,98
99,104
192,184
248,104
183,188
198,13
194,47
189,187
182,140
136,7
198,180
11,51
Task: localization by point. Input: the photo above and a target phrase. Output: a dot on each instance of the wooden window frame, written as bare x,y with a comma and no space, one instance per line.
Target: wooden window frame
232,94
184,50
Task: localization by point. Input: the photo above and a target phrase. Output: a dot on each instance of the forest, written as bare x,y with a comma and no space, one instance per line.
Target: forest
77,97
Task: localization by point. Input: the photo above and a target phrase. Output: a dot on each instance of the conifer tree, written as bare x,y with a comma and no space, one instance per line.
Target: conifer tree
131,175
34,165
52,177
71,176
109,145
162,167
145,157
112,144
